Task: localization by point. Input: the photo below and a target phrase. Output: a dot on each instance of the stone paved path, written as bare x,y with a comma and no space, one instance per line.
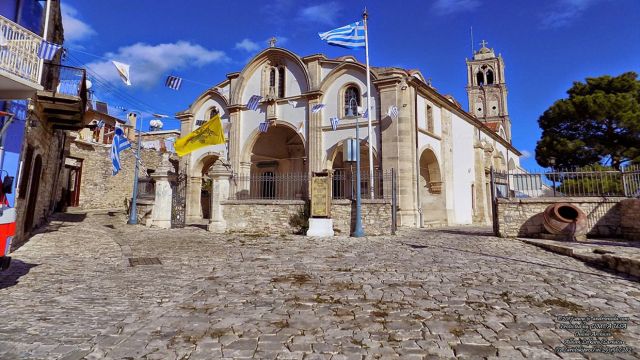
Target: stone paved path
71,294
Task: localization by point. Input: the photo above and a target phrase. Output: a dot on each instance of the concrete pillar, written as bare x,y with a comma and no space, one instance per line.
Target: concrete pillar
220,175
161,213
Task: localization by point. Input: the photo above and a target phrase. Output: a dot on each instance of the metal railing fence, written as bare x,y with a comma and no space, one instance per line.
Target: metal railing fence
587,182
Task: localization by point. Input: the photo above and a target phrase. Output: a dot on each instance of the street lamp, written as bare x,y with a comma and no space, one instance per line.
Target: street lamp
133,117
358,231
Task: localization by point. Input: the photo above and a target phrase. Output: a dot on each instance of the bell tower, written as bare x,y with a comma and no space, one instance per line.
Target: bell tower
487,90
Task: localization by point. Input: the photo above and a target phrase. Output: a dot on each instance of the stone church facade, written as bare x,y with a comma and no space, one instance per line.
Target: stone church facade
441,153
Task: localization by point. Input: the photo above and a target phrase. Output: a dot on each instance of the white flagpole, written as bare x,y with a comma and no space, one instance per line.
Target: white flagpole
365,15
44,36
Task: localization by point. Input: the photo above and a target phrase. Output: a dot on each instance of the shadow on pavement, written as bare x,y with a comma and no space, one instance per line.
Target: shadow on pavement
470,232
610,273
17,270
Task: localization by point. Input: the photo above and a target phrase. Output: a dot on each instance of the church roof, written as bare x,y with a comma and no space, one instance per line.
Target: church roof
494,126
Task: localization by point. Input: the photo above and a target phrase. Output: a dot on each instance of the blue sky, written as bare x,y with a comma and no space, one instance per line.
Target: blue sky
546,45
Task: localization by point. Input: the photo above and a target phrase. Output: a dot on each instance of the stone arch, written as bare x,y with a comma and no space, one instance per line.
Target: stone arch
344,174
499,162
256,63
199,186
341,70
432,189
512,164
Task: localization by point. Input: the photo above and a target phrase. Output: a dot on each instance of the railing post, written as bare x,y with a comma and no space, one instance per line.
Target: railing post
624,183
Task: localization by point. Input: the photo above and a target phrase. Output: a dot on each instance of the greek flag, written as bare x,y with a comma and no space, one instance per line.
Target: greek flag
264,126
317,107
100,124
173,82
334,123
48,50
366,114
350,36
253,103
393,112
119,143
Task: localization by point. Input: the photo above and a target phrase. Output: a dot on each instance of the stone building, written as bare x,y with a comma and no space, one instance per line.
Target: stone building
90,183
441,153
47,99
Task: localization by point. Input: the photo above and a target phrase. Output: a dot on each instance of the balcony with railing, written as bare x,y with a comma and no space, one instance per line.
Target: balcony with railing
19,62
64,98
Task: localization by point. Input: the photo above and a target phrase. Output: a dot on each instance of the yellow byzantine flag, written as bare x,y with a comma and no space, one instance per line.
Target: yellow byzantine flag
210,133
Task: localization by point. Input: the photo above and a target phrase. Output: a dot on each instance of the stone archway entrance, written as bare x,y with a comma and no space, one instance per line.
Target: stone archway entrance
277,162
432,197
344,173
199,189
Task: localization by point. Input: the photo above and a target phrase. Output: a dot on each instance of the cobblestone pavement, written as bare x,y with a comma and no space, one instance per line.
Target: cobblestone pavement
71,293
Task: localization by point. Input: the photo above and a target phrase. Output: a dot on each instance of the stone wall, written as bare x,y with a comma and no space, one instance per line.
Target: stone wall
48,146
99,189
629,215
523,217
285,216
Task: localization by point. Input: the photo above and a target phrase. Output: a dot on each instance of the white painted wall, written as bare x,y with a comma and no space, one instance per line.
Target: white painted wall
463,169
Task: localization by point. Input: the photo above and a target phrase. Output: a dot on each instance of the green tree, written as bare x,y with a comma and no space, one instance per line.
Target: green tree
598,124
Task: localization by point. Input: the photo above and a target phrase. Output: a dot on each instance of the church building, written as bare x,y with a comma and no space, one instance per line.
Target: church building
441,154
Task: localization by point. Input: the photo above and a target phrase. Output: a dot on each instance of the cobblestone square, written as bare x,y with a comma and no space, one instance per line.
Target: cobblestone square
71,293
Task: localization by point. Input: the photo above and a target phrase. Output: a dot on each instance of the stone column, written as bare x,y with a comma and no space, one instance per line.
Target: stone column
194,192
161,213
220,175
315,138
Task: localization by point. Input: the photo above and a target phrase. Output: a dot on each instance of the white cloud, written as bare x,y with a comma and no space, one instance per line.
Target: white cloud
525,154
564,12
325,14
149,63
75,30
446,7
247,45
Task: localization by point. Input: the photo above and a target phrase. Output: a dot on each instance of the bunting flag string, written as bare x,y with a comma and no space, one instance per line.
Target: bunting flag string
254,102
173,82
48,50
393,112
264,127
317,107
334,123
301,127
123,71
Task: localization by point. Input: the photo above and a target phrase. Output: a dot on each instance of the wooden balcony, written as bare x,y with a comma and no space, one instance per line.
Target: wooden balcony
64,98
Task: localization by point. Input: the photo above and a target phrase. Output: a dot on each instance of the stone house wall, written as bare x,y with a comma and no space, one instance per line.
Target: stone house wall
629,215
99,189
48,144
523,217
275,216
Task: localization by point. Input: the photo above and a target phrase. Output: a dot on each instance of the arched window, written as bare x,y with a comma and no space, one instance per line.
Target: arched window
480,78
351,101
281,82
489,77
213,112
272,78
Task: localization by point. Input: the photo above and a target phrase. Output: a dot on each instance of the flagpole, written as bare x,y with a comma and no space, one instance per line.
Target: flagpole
365,15
44,36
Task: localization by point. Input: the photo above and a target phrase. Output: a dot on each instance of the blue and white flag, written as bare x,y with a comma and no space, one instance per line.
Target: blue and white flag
119,144
334,123
366,114
292,103
100,124
264,126
173,82
253,103
48,50
350,36
393,112
317,107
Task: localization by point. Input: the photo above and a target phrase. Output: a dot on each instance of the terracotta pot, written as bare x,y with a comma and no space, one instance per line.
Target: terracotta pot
565,219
